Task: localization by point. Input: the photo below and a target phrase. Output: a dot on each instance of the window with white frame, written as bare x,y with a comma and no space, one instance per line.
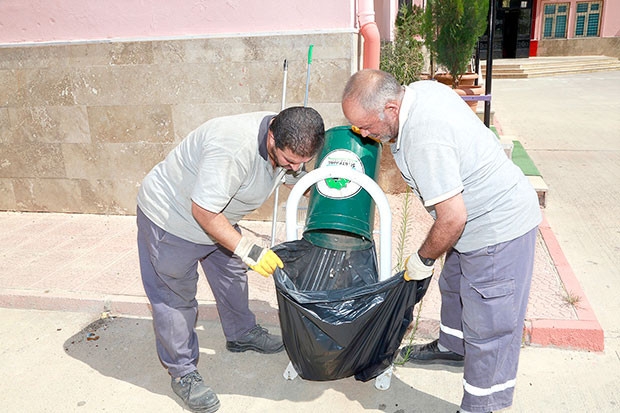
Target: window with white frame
588,18
555,21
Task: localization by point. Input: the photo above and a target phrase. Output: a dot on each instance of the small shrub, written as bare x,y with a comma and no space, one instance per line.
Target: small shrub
451,29
403,57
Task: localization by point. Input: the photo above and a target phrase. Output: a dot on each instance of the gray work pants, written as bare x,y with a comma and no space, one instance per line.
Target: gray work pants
484,296
169,265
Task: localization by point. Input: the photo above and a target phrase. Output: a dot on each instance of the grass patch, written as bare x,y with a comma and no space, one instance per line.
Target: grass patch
523,160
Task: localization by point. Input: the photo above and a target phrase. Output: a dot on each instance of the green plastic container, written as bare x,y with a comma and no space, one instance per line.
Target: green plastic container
341,214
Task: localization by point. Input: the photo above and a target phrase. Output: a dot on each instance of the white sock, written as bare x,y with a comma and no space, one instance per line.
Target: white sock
444,349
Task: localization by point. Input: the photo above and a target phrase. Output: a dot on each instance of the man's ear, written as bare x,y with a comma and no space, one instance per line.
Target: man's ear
393,105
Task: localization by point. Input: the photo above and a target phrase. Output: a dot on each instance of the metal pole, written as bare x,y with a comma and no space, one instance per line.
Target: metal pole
489,69
276,196
477,61
284,85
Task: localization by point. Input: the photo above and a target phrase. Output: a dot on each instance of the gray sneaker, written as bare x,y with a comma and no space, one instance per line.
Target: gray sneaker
257,339
197,396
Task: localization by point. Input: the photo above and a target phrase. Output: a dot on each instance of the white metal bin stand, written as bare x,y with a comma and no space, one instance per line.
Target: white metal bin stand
382,382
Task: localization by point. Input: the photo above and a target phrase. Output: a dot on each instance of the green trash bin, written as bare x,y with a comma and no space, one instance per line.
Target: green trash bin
341,213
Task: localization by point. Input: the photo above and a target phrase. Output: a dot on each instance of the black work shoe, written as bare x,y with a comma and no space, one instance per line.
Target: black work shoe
257,339
430,354
198,397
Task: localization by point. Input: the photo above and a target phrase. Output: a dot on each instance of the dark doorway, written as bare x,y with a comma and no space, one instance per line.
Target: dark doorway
511,39
511,28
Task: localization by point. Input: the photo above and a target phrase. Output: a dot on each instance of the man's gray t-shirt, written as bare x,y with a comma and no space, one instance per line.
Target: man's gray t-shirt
222,166
443,149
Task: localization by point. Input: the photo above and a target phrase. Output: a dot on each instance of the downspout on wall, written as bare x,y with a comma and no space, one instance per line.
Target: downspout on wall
370,33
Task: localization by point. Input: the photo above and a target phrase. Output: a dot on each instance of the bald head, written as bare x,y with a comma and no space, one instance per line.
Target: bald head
371,89
371,102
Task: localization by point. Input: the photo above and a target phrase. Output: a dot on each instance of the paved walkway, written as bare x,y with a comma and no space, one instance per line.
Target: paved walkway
570,126
74,262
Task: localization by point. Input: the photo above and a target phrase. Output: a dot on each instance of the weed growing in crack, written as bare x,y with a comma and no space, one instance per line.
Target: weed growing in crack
571,299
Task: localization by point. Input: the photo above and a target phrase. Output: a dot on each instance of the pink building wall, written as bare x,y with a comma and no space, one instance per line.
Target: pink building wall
34,21
385,15
610,17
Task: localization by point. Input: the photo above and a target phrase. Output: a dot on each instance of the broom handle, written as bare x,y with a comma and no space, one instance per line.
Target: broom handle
308,74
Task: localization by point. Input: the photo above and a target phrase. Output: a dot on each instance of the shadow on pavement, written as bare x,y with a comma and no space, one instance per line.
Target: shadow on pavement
124,349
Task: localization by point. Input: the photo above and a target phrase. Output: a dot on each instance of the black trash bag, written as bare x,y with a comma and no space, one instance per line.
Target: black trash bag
337,320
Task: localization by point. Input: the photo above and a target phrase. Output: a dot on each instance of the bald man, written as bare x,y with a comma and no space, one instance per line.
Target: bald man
486,216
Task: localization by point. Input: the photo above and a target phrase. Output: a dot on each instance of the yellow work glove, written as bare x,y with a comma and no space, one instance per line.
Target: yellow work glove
416,270
262,260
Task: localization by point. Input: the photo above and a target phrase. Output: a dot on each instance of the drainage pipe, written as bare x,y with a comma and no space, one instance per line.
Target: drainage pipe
370,34
385,215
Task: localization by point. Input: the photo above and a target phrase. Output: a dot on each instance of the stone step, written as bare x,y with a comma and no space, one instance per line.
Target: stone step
541,189
551,60
515,75
550,71
550,66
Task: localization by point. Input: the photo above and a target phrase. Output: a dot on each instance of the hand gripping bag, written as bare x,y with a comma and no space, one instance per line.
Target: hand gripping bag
337,320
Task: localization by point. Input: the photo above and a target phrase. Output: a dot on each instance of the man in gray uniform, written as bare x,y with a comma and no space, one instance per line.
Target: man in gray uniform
485,214
188,208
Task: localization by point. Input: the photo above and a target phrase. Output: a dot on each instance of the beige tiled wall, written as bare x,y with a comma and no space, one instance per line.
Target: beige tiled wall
589,46
81,124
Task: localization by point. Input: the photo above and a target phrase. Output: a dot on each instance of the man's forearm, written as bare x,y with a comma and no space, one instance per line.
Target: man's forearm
447,228
217,226
441,237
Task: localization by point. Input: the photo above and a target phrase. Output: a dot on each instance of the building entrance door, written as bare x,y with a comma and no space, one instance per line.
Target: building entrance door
511,29
511,39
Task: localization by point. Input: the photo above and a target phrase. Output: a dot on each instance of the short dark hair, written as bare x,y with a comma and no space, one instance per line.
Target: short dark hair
299,129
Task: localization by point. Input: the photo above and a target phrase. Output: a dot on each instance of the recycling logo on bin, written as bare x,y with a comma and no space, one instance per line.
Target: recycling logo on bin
340,188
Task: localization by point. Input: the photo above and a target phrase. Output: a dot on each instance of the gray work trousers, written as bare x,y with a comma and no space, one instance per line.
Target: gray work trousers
168,265
484,295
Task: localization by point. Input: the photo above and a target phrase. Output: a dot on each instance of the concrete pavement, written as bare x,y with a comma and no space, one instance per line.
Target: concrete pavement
85,265
570,126
49,365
